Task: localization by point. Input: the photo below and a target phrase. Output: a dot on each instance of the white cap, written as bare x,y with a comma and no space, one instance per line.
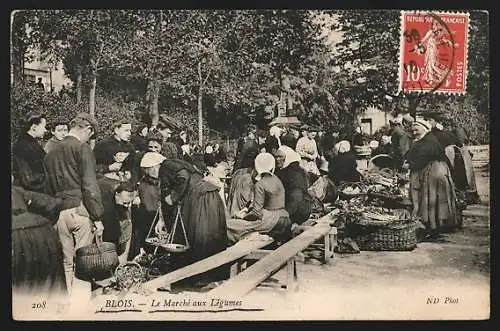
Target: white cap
150,159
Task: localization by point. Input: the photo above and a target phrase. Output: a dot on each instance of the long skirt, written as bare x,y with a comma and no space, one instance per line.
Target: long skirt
275,223
204,217
141,223
37,262
433,197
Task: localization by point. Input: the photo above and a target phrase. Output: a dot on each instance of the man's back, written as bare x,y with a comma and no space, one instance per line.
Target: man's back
71,175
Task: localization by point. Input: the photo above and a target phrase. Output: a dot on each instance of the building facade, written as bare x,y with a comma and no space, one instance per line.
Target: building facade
52,75
373,119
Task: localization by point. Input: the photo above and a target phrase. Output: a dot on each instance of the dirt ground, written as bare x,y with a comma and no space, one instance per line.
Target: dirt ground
393,285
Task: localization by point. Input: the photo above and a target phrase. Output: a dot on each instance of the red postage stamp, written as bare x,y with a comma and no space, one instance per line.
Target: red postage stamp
433,50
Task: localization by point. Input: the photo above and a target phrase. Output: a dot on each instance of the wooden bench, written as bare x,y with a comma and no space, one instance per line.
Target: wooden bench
271,262
238,250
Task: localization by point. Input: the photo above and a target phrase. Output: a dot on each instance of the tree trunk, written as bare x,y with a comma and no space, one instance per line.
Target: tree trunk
200,115
93,85
200,106
18,47
413,102
154,113
78,84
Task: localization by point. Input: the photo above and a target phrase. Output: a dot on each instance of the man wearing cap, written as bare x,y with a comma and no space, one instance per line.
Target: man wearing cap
400,141
71,175
115,155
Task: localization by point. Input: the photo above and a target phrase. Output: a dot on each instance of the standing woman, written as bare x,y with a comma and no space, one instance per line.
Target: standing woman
431,186
202,210
37,258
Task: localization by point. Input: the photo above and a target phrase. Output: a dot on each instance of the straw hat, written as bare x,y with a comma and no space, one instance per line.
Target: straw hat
151,159
264,163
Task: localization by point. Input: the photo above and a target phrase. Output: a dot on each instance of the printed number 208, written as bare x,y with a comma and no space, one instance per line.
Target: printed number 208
39,305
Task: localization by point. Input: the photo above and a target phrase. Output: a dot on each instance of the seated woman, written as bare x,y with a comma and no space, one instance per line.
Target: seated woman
202,211
298,202
431,187
343,166
267,213
241,190
37,258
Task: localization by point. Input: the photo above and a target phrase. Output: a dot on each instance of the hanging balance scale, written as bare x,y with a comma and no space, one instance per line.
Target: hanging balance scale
166,239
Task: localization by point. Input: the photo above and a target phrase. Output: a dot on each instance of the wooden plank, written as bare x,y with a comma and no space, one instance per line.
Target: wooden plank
257,254
262,269
477,212
238,250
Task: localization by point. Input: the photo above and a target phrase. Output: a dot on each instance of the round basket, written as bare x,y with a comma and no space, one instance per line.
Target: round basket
387,235
96,261
362,150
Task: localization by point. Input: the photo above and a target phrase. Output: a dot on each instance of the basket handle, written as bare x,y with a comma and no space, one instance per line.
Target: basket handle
98,241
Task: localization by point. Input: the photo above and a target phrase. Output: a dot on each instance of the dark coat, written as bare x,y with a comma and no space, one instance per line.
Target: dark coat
400,144
71,175
37,258
424,151
342,168
271,145
28,169
298,202
445,138
245,159
140,143
106,149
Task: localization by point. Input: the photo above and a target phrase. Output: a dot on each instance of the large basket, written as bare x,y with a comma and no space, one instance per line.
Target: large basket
387,236
96,261
363,150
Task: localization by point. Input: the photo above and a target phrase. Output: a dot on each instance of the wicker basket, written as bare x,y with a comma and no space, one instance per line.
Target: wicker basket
387,235
363,150
96,261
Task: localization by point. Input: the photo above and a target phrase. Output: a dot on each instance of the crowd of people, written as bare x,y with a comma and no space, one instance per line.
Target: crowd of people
66,193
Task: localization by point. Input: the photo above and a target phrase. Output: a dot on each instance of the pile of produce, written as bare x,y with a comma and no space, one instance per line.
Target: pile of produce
129,274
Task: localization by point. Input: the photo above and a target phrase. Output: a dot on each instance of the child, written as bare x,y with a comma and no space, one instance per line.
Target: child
59,131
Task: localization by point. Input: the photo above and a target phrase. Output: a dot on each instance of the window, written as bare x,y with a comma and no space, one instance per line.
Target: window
366,125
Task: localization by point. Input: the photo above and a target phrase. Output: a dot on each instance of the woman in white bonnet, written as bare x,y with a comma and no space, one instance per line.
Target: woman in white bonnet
343,167
431,187
298,202
149,195
267,213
